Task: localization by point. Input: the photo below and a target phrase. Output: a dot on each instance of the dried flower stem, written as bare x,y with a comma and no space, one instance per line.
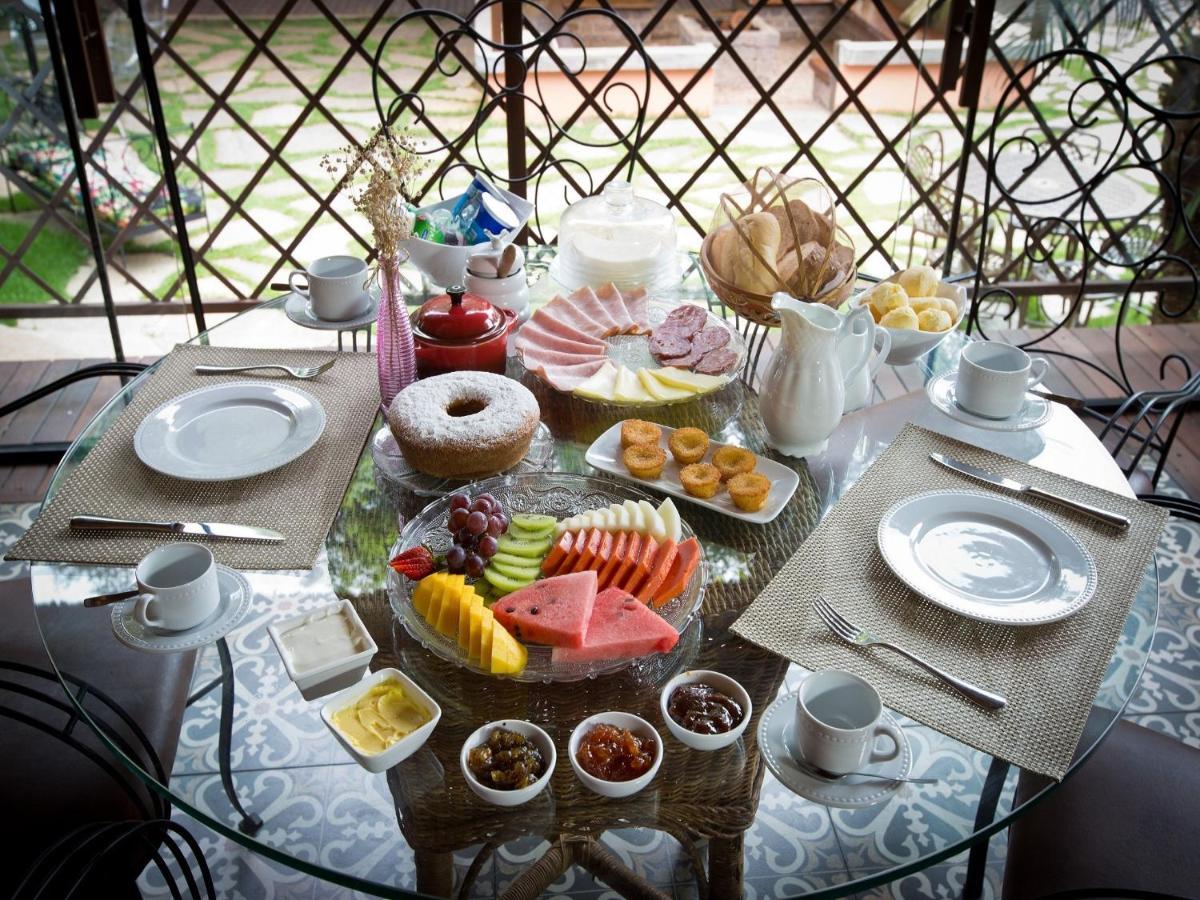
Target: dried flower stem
381,176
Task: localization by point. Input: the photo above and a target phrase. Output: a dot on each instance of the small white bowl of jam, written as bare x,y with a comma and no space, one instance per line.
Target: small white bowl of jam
513,734
382,720
620,754
704,709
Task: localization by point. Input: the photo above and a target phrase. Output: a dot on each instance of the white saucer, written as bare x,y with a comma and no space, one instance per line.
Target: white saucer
299,309
394,467
986,557
235,603
847,792
940,391
229,431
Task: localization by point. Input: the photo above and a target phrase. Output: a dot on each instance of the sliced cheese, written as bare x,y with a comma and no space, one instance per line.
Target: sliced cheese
660,390
600,385
693,381
628,389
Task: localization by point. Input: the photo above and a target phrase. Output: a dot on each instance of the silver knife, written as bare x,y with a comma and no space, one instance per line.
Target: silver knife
1111,518
200,529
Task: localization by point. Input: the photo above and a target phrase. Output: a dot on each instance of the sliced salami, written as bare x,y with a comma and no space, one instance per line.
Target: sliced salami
683,362
691,318
711,338
669,344
716,362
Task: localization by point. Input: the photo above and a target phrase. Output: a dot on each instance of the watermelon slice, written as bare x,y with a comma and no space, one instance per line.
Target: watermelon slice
687,556
558,553
615,558
552,611
621,627
591,547
658,570
642,567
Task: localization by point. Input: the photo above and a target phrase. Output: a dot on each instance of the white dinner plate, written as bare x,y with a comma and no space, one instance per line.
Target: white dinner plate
941,393
605,455
229,431
987,557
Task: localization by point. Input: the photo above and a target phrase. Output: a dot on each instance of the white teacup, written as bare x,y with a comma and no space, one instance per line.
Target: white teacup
837,723
179,587
336,286
993,378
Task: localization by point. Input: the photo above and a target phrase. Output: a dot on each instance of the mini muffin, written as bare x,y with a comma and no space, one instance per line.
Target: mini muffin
644,460
732,461
700,479
749,491
636,431
688,445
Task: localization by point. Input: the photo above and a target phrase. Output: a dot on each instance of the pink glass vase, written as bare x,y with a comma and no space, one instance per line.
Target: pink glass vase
395,352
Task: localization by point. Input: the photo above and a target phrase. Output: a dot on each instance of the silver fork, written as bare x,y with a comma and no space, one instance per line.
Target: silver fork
852,634
295,371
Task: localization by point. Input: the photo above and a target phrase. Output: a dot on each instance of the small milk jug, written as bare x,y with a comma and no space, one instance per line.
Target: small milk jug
861,375
804,391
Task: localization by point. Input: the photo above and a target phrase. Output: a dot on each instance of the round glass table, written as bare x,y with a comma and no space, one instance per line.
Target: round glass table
718,819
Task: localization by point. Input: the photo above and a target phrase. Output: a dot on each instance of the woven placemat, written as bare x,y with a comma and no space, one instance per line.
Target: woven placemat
299,499
1049,673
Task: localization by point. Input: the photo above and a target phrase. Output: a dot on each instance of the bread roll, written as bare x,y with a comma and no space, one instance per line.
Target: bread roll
741,265
919,281
934,320
886,296
902,318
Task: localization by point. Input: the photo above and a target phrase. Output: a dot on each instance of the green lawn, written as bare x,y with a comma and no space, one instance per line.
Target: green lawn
54,256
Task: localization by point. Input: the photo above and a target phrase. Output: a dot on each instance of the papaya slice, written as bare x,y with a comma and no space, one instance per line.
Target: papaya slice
667,551
558,553
687,557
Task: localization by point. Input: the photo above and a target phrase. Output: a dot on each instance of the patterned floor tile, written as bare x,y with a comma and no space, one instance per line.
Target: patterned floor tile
15,519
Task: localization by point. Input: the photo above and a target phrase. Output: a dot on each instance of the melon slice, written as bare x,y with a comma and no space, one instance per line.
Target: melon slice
508,656
655,526
552,611
660,390
637,516
694,381
620,628
600,385
558,553
641,568
447,622
687,556
659,570
671,520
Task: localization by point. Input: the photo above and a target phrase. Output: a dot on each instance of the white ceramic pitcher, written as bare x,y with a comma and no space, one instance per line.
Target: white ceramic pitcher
804,391
860,371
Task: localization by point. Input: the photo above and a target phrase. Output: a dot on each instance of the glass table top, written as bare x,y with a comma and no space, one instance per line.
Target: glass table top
699,799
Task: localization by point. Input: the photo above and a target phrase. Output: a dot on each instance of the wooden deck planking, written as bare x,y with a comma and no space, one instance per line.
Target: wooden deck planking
63,417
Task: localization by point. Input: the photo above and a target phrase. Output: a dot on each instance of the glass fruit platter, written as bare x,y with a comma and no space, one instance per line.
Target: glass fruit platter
561,496
635,377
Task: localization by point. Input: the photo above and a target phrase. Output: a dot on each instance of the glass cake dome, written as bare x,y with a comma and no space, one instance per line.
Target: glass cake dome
619,237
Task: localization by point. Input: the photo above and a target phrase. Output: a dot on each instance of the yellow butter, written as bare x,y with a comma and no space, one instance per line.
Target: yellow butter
380,717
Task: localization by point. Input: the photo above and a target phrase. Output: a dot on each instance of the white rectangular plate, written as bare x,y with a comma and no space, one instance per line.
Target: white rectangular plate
605,455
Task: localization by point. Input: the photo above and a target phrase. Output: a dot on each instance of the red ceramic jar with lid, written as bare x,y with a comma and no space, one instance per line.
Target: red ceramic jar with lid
460,331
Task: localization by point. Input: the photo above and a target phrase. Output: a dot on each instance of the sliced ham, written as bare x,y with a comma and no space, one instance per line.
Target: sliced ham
614,304
637,301
585,298
574,315
537,358
567,378
551,323
534,335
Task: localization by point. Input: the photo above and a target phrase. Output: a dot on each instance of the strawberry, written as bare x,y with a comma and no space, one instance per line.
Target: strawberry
414,563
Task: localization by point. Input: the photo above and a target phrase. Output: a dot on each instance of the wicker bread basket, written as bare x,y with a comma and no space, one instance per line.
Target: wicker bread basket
824,274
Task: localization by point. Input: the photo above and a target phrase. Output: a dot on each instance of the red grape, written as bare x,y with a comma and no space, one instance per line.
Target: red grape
458,518
464,538
488,546
482,504
503,521
456,559
477,522
459,501
495,525
474,565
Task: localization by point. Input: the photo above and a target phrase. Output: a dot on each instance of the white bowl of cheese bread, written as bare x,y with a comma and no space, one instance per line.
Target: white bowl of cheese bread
917,309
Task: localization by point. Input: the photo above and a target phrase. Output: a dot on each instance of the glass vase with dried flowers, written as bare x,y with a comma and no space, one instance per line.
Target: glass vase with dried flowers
381,175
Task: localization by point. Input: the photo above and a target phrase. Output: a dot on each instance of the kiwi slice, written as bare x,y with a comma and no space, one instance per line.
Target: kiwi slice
519,547
534,523
527,573
502,584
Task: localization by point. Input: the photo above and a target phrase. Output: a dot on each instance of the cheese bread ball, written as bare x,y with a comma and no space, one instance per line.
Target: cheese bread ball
919,281
886,296
902,318
950,307
934,320
920,304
